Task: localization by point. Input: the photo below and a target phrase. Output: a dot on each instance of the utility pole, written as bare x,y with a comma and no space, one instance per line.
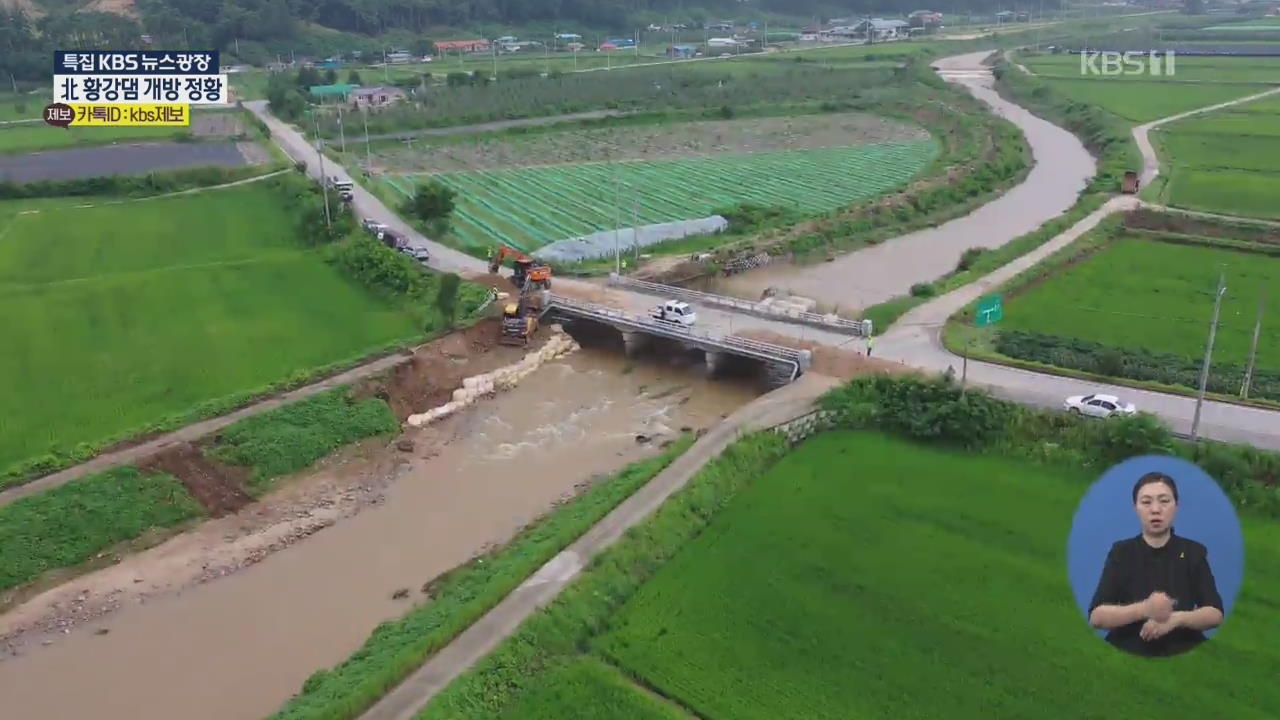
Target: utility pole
324,181
1208,354
1253,352
635,224
342,132
495,61
617,222
368,150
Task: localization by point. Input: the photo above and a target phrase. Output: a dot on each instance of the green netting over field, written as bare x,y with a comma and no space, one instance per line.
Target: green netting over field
531,207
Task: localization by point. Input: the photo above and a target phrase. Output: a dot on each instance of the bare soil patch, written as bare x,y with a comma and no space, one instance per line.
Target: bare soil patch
652,142
438,368
216,486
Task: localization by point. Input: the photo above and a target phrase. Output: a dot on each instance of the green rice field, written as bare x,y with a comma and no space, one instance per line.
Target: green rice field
122,315
1140,101
1225,162
1139,293
865,576
531,207
30,137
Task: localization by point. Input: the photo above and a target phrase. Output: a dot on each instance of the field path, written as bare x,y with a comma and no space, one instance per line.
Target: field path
1150,161
195,431
783,404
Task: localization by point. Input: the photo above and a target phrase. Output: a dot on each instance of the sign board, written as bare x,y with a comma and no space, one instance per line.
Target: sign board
989,311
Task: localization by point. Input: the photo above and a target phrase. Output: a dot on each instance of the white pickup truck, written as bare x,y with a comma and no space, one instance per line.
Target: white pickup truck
675,312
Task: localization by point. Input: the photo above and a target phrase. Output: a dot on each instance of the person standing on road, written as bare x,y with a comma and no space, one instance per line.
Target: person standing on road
1157,593
871,343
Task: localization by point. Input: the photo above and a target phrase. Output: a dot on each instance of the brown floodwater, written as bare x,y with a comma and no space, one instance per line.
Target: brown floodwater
1062,169
237,647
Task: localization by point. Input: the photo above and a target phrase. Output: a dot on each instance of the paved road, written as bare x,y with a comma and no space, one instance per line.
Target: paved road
777,407
916,338
448,259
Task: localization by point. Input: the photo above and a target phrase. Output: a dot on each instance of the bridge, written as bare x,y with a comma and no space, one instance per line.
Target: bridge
782,313
781,364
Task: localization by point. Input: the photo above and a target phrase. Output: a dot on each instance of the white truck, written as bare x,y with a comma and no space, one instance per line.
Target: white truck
345,188
675,312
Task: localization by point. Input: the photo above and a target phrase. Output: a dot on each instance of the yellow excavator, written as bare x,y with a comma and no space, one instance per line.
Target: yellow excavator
520,318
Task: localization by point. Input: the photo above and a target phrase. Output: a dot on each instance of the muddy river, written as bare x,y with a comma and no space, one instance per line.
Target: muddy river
237,647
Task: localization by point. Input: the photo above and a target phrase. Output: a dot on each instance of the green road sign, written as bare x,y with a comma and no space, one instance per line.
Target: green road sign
989,310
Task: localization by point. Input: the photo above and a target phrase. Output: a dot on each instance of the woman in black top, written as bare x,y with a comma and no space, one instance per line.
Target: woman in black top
1157,593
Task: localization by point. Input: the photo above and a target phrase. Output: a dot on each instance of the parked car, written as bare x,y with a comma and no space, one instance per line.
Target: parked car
1103,406
417,253
675,312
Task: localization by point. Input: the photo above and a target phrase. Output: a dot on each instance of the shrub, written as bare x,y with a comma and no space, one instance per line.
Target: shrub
923,290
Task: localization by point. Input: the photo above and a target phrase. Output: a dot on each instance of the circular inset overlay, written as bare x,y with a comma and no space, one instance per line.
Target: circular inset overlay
1107,514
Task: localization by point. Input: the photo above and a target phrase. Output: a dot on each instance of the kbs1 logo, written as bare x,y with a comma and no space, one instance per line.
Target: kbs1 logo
1109,62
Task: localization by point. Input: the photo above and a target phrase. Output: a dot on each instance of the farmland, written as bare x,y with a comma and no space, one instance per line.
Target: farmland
677,87
1140,101
1186,68
1226,162
27,137
531,207
618,141
1141,293
835,595
159,309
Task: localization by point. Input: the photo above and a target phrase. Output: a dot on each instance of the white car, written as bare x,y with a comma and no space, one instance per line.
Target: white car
1103,406
675,312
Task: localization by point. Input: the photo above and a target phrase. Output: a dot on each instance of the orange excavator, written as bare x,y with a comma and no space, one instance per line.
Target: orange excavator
525,270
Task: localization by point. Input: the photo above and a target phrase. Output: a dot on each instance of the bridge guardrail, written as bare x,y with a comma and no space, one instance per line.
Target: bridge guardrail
857,328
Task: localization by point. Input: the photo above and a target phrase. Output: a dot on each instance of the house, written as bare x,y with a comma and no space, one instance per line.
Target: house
922,18
399,57
682,51
878,29
331,92
376,97
461,46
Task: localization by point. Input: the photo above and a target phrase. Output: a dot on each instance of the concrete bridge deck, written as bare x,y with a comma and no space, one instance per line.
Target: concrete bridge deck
782,363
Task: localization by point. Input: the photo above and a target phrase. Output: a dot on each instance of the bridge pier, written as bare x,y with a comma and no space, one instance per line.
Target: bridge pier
776,374
633,342
715,362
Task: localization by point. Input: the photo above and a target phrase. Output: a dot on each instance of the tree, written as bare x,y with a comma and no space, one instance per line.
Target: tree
353,78
447,296
433,201
1193,7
